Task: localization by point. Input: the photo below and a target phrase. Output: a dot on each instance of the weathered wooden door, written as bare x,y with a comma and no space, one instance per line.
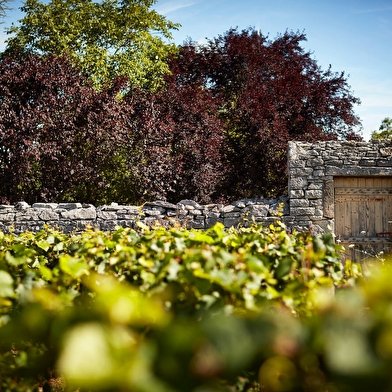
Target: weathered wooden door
363,215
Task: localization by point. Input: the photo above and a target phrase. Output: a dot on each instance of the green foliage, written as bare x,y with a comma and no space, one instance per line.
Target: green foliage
105,39
165,310
3,9
385,130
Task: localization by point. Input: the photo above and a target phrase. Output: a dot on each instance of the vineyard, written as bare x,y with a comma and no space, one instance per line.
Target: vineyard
177,310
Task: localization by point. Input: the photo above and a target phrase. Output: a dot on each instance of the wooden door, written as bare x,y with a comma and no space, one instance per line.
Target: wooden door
363,215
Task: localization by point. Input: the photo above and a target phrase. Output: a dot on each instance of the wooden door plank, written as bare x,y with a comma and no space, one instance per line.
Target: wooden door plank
363,207
363,191
363,240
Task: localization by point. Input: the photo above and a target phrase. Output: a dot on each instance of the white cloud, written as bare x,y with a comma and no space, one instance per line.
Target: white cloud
376,101
375,94
172,6
3,37
373,10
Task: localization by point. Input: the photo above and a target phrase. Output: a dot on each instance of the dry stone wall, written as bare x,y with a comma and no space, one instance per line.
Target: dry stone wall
312,168
69,217
309,205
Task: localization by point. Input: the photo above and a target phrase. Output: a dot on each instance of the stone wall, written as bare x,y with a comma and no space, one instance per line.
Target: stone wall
312,168
309,205
70,217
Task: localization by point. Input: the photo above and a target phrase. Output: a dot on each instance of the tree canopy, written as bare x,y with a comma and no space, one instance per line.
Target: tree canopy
61,140
58,136
217,129
270,92
176,139
105,38
3,9
385,130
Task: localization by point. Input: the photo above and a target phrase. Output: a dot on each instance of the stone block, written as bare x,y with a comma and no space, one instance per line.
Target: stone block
278,208
257,210
316,185
171,213
70,206
126,216
328,199
210,206
299,203
196,224
79,214
367,162
229,208
318,213
48,215
298,182
195,212
313,194
22,205
314,162
296,194
385,162
318,173
188,203
27,215
315,202
162,204
51,206
109,225
297,172
209,222
182,213
134,210
231,215
297,163
152,212
316,229
302,211
7,217
386,151
67,226
231,222
333,162
327,225
84,224
106,215
6,207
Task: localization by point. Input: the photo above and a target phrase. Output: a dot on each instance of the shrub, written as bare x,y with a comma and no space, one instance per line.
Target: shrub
58,136
169,310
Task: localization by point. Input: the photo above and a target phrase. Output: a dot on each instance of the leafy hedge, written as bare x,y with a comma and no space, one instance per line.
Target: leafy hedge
186,310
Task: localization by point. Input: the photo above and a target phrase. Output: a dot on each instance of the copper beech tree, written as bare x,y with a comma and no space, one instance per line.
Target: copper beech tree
58,136
216,131
178,139
270,92
61,140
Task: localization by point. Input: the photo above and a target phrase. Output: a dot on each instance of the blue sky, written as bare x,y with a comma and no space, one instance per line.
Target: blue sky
354,36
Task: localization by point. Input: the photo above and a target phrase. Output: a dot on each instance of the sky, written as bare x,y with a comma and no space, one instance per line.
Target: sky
354,36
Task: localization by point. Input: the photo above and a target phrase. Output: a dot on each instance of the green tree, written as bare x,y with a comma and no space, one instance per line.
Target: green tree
3,9
105,39
385,130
